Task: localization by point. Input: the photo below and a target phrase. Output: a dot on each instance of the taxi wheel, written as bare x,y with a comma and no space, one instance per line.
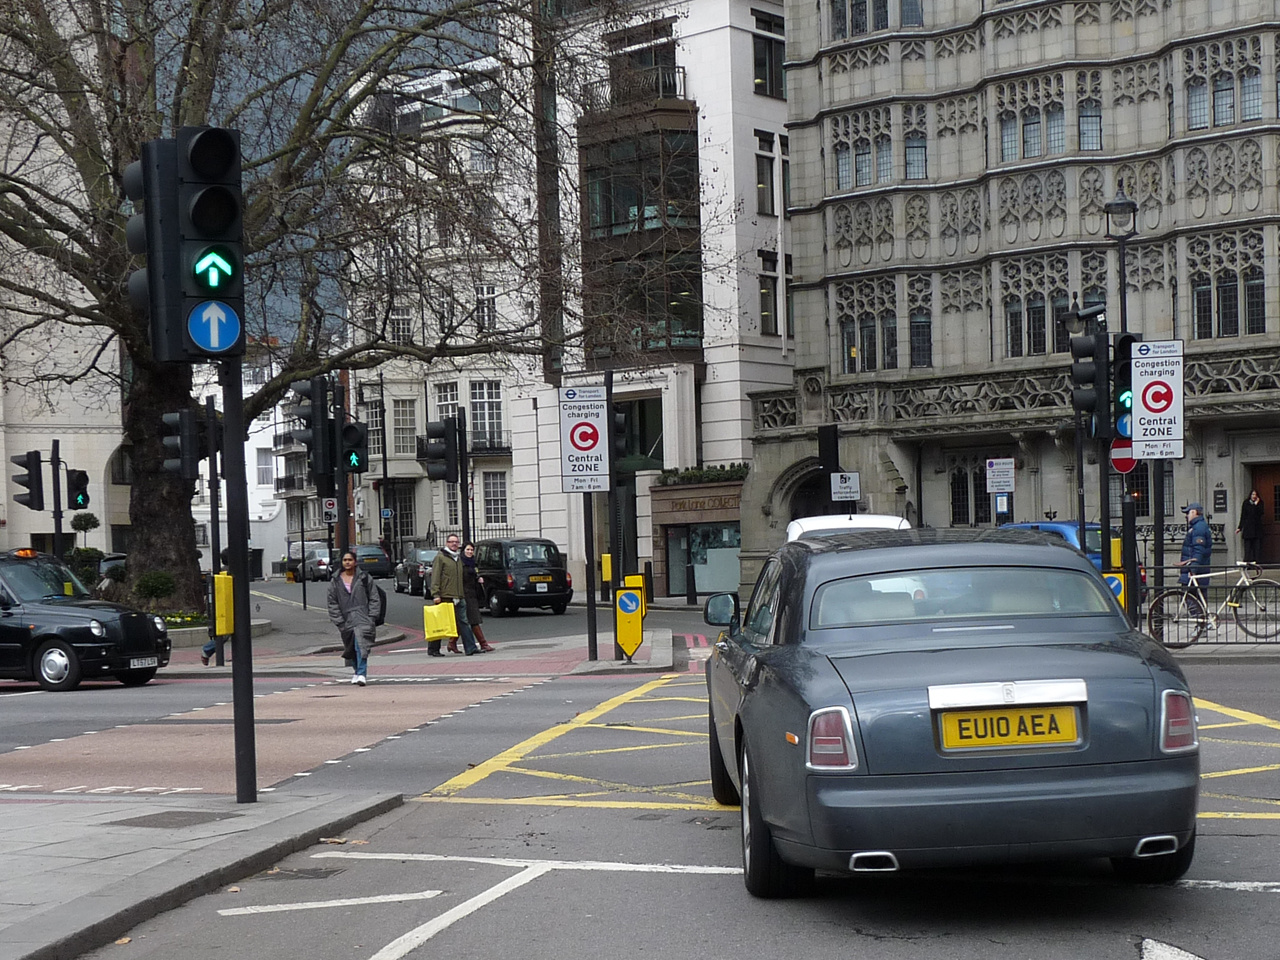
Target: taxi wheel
559,607
57,666
396,586
1164,869
136,678
765,873
496,606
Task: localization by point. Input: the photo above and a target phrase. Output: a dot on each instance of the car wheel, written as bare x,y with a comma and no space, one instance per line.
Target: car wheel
764,872
559,607
496,606
722,787
1164,869
57,666
136,678
397,586
418,592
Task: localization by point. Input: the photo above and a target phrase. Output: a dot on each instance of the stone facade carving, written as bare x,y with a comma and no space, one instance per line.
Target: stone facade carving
1134,83
1025,22
958,115
1032,207
1207,60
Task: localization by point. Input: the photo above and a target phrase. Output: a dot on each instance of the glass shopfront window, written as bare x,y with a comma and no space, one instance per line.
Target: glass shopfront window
712,549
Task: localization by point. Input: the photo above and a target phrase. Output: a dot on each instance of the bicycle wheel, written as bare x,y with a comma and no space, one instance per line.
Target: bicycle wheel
1176,618
1258,608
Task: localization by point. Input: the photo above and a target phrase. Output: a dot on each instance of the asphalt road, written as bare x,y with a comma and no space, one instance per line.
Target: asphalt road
572,818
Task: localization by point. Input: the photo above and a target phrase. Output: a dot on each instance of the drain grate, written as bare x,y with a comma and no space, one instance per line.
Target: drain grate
302,873
174,819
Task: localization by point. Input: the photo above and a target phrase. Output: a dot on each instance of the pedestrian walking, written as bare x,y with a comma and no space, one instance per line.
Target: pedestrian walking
448,586
473,586
1252,513
354,607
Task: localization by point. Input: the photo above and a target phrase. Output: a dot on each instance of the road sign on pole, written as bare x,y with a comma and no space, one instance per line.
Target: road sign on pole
584,445
330,509
846,486
1122,455
1157,400
1000,475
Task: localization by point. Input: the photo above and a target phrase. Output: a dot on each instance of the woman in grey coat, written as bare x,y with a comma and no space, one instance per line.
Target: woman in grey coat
354,605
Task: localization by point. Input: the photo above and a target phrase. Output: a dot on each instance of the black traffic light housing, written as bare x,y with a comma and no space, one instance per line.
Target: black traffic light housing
355,447
156,290
1122,383
181,440
442,450
77,489
617,436
1091,382
33,480
316,432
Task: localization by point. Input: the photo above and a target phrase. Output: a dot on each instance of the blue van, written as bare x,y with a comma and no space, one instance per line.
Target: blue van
1070,531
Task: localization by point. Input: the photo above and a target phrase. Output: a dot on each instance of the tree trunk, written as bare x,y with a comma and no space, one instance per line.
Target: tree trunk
162,536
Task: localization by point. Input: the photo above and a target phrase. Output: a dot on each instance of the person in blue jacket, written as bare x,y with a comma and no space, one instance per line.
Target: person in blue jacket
1197,546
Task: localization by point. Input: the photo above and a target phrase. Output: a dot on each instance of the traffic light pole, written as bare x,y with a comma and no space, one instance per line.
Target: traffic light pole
55,471
340,467
464,477
238,562
215,523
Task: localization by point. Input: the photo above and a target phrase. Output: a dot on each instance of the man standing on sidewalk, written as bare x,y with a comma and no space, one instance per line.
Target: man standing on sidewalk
447,585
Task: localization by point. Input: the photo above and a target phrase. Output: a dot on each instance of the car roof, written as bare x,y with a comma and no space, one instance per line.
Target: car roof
804,526
369,548
874,551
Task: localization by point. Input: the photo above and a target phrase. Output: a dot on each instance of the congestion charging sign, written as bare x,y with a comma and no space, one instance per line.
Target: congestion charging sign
584,440
1157,400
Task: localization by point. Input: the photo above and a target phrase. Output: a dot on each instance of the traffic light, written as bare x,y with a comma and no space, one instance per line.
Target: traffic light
315,434
77,489
33,480
1091,382
617,436
1122,383
211,227
156,290
442,450
180,444
355,447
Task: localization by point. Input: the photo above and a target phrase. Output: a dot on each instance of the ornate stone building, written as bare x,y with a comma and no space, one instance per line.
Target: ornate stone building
950,167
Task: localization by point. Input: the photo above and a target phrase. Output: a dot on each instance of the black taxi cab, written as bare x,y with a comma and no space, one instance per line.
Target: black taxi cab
53,630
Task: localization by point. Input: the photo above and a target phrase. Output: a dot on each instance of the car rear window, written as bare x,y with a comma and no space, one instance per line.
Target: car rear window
960,592
545,554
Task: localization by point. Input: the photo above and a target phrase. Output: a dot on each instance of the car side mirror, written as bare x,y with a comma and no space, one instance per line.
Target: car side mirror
721,610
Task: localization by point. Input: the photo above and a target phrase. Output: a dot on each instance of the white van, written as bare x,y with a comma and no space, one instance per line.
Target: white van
842,522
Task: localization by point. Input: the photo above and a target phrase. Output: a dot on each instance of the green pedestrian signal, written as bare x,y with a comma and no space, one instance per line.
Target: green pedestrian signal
77,489
355,447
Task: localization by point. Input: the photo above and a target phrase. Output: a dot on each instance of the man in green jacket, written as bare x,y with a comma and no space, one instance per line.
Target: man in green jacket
446,586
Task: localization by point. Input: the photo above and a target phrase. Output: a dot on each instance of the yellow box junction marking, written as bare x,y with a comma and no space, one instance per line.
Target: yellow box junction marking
1240,718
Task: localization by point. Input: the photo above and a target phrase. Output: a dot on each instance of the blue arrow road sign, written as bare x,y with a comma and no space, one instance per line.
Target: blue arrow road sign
213,326
628,601
1124,425
1115,583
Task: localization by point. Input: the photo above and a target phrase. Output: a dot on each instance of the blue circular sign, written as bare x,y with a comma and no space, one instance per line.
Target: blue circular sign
628,601
213,326
1114,583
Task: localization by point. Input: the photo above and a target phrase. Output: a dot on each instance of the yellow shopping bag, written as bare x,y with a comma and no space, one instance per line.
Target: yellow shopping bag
438,622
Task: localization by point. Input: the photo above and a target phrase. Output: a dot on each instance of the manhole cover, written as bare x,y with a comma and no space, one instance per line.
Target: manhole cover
173,819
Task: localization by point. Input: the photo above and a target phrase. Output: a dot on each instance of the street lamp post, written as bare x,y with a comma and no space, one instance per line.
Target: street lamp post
1122,226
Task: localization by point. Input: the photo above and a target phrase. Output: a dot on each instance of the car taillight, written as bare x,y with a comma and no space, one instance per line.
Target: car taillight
831,740
511,582
568,579
1178,723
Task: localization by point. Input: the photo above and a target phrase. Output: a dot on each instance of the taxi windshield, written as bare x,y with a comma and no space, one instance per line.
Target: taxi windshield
41,578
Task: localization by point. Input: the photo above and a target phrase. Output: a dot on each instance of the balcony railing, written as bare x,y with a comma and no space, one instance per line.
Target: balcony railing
490,442
295,484
286,442
634,86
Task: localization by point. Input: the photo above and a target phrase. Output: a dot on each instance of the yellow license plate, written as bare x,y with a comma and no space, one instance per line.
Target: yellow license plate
1009,727
539,579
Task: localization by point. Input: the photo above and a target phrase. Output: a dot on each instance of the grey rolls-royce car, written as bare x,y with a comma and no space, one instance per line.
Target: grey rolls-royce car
1004,712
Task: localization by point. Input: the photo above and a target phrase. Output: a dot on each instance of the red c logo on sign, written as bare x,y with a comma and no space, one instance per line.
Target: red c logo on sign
584,436
1157,396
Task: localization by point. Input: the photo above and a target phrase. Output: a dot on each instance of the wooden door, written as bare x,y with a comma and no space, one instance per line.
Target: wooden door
1266,480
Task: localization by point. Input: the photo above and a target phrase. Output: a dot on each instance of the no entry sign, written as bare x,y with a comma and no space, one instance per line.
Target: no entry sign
1122,455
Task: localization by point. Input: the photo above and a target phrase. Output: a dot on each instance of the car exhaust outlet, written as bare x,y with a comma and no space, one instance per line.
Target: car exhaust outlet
1157,846
874,861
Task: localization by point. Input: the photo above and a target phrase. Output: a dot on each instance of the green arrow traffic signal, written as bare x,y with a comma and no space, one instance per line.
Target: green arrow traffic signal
214,269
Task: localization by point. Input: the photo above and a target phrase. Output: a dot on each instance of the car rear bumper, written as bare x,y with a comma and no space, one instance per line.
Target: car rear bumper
530,598
999,816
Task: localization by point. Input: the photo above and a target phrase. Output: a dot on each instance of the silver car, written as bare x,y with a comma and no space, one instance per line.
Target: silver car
1010,713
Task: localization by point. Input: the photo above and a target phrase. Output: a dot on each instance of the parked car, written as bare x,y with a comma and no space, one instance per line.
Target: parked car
413,573
1069,531
1014,713
319,564
53,631
524,572
111,560
824,526
373,560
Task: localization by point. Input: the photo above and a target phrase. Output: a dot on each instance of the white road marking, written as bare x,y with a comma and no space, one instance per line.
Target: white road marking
1246,886
22,693
601,865
322,904
1155,950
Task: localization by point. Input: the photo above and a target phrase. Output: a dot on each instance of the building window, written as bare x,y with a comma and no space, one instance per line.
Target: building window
921,340
884,159
867,342
848,18
849,347
770,52
266,467
486,315
1228,305
400,328
880,14
405,427
1138,483
1036,341
404,511
373,420
1008,138
917,156
768,294
1251,95
765,186
783,147
1013,327
844,167
1224,100
969,497
486,411
1202,308
1055,122
1031,133
889,340
862,163
912,13
1061,336
1255,303
482,159
495,497
1197,105
446,400
959,498
1090,125
451,509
